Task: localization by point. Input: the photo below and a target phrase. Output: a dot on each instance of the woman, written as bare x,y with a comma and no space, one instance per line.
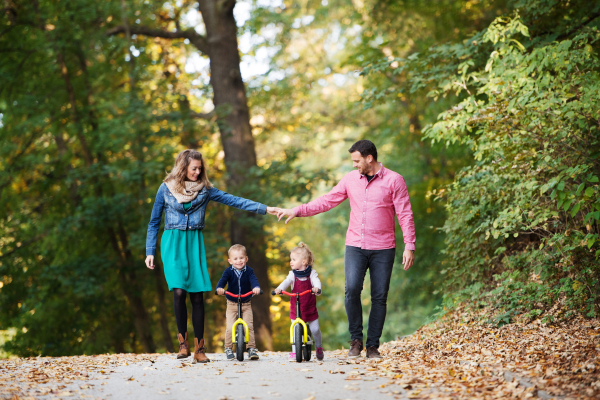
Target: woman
184,195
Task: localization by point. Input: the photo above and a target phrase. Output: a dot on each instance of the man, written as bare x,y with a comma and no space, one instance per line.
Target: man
375,194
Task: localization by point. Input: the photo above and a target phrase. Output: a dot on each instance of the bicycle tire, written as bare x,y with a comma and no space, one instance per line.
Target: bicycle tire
307,349
298,336
240,347
306,352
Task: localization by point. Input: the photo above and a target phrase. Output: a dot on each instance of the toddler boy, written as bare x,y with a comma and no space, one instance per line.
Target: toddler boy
239,278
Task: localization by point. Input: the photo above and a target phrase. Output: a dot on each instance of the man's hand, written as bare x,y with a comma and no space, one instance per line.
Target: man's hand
278,291
287,212
273,210
256,291
408,258
220,291
150,262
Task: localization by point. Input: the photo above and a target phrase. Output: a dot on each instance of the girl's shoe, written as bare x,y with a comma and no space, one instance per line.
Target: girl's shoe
229,353
320,354
292,357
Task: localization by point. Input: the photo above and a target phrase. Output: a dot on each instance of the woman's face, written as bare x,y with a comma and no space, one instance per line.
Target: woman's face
194,169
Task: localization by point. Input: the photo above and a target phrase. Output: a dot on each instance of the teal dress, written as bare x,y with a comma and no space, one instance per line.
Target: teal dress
184,259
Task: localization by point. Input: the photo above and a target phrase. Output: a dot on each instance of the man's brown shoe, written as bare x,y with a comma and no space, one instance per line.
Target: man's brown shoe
184,347
373,352
356,347
200,351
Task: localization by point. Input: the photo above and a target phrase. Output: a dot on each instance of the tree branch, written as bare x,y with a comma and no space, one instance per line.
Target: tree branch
194,37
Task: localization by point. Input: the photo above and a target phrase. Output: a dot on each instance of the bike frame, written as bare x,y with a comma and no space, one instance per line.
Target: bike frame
298,319
240,320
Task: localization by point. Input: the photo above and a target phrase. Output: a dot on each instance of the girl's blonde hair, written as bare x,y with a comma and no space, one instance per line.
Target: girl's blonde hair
179,172
305,251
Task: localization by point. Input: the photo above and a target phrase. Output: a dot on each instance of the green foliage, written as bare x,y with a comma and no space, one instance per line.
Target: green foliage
523,221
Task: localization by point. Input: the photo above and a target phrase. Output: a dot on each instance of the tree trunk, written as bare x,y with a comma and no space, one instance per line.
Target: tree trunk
238,144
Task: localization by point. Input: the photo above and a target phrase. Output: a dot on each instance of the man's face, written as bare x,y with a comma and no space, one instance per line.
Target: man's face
361,163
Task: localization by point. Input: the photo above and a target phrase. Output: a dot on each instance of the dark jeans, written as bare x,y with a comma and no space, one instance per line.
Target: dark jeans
380,264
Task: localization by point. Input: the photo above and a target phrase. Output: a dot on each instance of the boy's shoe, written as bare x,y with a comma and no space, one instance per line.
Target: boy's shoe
292,357
320,354
229,353
252,353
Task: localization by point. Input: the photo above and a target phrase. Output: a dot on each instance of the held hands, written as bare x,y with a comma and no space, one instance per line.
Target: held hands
220,291
273,210
408,258
286,212
256,291
150,262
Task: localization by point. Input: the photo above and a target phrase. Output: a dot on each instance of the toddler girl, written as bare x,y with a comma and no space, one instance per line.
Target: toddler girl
304,277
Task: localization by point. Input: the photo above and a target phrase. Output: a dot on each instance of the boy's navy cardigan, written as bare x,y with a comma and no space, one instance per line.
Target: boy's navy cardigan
244,285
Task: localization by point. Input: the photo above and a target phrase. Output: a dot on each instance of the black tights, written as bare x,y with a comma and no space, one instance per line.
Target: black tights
197,300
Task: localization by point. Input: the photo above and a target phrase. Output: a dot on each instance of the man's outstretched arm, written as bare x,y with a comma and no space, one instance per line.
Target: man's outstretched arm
324,203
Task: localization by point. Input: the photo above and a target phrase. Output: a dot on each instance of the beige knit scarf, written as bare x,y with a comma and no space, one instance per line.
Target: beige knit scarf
184,194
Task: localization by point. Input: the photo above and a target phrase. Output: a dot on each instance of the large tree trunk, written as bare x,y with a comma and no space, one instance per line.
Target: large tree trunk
238,144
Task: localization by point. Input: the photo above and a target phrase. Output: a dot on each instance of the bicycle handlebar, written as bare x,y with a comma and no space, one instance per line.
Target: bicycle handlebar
235,295
294,294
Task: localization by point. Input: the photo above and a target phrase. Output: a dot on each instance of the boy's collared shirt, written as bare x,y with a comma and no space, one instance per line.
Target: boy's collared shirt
238,281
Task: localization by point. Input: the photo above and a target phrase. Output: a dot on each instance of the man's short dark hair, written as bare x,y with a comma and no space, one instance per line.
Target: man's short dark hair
365,148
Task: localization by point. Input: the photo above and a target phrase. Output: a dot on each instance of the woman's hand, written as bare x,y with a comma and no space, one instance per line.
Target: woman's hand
220,291
150,262
273,210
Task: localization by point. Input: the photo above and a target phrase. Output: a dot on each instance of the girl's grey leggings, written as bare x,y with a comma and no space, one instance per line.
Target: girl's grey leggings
316,333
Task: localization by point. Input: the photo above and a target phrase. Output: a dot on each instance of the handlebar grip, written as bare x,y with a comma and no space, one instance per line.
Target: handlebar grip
319,291
261,291
273,293
216,293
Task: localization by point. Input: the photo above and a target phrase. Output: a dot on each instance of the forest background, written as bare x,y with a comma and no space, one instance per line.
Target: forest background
489,110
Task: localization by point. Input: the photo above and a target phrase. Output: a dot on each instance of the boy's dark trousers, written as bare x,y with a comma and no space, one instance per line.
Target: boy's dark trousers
380,264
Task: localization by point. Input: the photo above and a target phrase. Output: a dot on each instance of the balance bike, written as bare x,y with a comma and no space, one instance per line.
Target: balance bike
239,330
300,335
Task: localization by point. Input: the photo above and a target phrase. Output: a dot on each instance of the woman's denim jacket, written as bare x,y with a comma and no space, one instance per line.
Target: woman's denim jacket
176,217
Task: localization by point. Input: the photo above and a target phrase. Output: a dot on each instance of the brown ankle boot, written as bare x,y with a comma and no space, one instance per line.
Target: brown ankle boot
200,351
184,347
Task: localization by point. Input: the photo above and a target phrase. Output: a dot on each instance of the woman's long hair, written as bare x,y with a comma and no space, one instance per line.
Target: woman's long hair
179,172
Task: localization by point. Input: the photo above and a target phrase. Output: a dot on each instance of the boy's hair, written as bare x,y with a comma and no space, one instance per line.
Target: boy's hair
365,148
237,247
303,249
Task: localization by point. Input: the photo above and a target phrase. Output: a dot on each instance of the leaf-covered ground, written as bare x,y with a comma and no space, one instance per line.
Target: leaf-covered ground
456,358
26,378
452,358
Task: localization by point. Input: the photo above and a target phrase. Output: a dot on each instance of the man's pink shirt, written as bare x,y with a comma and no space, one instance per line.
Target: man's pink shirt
372,208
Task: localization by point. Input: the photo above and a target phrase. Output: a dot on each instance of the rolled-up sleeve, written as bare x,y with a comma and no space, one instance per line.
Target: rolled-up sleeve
404,213
324,203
